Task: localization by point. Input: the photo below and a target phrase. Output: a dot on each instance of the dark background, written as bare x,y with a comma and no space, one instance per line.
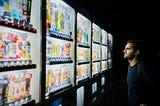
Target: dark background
125,19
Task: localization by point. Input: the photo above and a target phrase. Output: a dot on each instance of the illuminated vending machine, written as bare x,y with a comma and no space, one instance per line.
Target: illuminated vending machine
104,68
104,50
96,63
96,49
110,48
19,52
83,59
60,48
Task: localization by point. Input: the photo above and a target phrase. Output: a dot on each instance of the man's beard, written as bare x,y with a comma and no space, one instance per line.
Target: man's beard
130,57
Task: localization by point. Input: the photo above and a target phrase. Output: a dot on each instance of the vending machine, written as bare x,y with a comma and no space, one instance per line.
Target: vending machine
110,48
83,58
104,51
60,48
96,49
102,83
95,64
83,48
19,52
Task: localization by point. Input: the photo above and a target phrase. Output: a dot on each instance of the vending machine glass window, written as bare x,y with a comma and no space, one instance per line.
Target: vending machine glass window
60,39
110,47
19,10
96,49
104,51
110,40
83,48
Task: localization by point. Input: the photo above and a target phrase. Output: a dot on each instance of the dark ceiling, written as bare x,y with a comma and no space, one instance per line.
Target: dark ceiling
123,18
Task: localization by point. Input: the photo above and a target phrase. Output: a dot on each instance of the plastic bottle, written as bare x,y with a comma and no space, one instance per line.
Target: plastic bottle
28,49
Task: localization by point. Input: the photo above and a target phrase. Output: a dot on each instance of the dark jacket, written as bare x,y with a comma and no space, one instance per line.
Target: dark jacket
139,85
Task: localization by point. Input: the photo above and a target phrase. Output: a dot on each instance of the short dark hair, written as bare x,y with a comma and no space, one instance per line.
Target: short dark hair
138,45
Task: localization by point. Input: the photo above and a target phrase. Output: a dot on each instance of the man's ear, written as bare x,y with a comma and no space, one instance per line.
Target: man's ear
136,52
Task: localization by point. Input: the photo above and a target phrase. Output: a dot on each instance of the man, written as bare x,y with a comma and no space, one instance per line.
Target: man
138,76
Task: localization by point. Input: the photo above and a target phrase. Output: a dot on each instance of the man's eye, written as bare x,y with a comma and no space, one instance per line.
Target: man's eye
127,48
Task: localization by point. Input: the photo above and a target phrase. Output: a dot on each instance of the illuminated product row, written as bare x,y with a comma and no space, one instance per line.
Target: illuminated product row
15,88
14,49
16,14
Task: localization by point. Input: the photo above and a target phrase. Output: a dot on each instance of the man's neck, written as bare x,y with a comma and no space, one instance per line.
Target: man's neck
133,61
